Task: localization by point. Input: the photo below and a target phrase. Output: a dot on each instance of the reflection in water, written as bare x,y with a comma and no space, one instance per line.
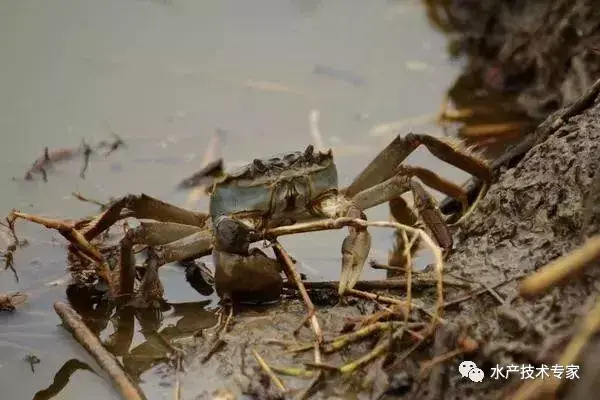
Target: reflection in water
61,379
486,112
191,60
306,8
158,346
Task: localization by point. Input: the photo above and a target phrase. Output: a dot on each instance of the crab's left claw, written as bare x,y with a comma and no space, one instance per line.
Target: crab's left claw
355,250
232,236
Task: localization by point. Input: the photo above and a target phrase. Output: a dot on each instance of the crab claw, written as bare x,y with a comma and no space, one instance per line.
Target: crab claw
251,278
355,250
232,236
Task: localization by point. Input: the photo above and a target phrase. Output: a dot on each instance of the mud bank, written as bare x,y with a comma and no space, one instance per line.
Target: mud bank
545,54
542,208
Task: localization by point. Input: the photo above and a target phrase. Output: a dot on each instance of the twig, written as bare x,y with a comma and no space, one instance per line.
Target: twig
407,256
9,260
561,269
217,346
87,152
479,292
8,302
295,277
312,386
108,362
378,351
267,370
178,368
548,387
343,340
393,283
294,371
80,197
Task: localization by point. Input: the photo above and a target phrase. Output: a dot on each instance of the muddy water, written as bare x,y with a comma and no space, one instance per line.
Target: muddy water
164,75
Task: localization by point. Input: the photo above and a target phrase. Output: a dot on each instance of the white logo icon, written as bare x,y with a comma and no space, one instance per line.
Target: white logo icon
468,369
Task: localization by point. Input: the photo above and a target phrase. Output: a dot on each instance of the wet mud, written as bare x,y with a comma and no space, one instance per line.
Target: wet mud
545,54
542,208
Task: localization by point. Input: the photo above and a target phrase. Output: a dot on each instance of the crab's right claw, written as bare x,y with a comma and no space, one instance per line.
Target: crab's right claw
355,250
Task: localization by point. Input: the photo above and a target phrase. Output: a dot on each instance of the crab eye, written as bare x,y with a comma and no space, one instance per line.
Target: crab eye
308,153
291,158
276,162
259,165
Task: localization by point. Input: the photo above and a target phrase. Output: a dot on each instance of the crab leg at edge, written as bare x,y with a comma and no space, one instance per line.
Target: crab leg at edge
180,234
168,242
385,165
142,207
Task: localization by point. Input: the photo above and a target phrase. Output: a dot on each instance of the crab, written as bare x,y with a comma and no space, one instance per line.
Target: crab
282,190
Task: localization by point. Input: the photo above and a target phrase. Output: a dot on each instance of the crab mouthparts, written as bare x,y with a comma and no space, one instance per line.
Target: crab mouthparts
290,201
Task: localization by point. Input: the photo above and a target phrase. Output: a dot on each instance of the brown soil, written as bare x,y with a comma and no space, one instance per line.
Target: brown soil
539,210
544,53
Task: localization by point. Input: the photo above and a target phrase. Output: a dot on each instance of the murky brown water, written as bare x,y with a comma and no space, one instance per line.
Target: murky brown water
165,75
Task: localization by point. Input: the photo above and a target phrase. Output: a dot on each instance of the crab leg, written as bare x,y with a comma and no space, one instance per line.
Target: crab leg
387,163
392,189
357,244
143,207
355,250
168,242
453,154
399,256
154,233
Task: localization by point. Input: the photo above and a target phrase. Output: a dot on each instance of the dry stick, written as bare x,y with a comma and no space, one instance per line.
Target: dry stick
81,197
217,346
407,256
8,301
87,152
479,292
177,389
265,367
548,387
128,389
392,283
293,275
312,386
391,300
69,232
561,269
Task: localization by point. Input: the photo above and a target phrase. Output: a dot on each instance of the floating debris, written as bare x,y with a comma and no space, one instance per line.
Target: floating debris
339,74
205,176
52,157
416,65
315,133
32,360
9,301
391,128
272,87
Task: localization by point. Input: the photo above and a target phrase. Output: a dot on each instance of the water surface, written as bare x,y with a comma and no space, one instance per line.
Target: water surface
165,75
